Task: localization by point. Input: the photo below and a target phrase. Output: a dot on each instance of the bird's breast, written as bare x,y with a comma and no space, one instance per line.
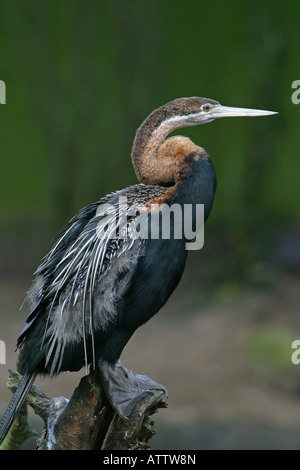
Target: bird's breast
157,274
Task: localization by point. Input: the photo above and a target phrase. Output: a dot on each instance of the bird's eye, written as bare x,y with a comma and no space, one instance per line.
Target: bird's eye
206,107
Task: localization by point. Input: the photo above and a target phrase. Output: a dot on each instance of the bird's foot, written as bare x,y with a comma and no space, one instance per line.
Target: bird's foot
124,389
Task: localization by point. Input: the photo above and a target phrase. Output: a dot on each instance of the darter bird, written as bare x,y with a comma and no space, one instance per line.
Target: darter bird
99,283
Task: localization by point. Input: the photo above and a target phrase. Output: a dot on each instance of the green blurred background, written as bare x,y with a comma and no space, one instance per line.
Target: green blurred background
80,78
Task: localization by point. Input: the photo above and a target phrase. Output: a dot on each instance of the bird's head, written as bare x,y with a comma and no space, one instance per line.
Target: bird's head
184,112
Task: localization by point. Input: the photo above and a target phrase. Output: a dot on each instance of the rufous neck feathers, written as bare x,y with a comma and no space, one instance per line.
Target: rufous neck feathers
157,160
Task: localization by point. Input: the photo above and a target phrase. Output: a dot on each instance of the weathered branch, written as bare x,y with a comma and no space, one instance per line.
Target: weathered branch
87,421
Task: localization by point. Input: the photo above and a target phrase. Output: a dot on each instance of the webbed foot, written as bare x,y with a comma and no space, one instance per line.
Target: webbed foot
124,389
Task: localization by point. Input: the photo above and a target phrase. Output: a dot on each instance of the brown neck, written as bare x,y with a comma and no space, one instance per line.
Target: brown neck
156,160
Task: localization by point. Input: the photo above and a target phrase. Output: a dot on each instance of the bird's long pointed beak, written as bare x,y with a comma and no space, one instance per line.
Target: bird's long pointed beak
220,111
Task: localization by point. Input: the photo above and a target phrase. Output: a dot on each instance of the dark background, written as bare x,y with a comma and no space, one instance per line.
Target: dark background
80,78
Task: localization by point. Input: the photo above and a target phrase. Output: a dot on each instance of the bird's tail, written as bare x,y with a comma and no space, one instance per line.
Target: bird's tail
16,404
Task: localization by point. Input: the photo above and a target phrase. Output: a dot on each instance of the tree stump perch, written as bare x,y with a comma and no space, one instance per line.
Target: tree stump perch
86,421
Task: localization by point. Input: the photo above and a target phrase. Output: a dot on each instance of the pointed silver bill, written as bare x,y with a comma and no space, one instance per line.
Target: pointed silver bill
220,111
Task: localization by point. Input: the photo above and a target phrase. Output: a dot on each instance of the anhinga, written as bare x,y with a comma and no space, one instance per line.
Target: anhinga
92,292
